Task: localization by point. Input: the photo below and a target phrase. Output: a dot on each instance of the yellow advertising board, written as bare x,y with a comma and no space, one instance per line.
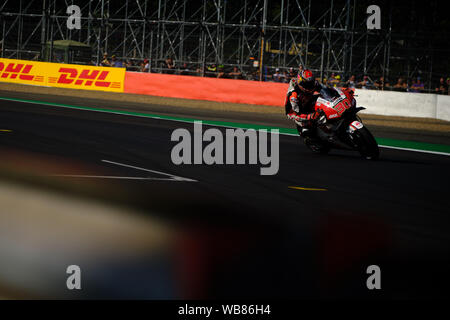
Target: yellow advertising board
62,75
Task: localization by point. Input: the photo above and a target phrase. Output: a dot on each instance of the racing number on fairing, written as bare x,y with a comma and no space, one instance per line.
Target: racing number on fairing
342,106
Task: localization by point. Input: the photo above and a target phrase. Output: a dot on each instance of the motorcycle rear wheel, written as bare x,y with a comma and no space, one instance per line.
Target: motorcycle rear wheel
367,145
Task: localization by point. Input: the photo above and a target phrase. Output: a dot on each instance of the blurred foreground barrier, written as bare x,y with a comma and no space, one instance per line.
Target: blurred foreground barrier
212,89
62,75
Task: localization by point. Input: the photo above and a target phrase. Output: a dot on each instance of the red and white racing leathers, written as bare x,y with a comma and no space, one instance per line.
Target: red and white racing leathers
300,103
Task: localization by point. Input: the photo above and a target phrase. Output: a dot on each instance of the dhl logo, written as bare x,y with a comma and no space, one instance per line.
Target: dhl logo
20,71
86,77
62,75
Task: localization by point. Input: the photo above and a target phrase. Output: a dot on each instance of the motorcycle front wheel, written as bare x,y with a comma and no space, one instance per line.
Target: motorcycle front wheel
367,145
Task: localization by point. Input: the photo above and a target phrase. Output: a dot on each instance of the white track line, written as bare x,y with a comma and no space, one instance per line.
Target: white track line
416,150
174,177
110,177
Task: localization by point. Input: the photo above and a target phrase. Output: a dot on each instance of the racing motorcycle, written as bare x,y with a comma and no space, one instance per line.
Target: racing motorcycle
338,125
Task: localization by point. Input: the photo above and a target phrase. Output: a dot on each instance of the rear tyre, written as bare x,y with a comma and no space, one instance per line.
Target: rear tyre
367,145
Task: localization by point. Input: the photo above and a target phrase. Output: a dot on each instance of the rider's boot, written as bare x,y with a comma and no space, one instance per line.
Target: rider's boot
306,132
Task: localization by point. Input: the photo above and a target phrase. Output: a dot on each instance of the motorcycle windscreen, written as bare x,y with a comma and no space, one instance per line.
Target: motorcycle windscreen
329,94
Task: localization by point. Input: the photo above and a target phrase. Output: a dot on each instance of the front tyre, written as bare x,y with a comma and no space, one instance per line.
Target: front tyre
366,144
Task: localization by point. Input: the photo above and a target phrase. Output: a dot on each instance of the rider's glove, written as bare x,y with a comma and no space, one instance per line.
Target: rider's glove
313,116
292,115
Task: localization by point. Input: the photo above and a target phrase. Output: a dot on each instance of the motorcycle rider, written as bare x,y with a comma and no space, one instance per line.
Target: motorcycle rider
300,100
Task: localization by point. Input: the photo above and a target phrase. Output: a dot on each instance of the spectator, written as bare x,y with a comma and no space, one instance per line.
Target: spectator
199,71
185,70
277,76
116,62
442,87
132,66
235,74
334,80
113,61
351,83
128,64
211,70
221,72
285,77
256,75
331,80
366,83
105,62
400,85
413,83
291,74
169,64
145,66
381,84
417,86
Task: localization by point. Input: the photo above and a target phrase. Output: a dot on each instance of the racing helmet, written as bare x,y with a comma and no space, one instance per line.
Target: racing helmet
305,80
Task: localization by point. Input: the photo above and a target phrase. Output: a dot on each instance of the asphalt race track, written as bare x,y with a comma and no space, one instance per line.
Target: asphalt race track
306,243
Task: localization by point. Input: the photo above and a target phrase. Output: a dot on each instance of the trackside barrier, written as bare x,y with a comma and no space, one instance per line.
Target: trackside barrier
443,107
390,103
212,89
62,75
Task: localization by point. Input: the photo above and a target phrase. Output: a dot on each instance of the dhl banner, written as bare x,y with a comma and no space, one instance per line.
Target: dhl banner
62,75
